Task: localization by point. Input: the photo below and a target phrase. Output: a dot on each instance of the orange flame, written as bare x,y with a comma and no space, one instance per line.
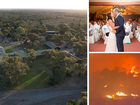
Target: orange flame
110,96
120,94
134,95
133,71
135,75
105,86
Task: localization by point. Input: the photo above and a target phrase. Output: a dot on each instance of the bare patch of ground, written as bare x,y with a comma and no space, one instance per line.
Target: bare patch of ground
62,100
73,83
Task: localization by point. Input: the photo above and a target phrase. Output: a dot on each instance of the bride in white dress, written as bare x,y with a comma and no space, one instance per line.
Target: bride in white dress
111,45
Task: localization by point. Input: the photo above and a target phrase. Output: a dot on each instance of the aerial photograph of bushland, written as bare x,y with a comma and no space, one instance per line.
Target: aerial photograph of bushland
43,57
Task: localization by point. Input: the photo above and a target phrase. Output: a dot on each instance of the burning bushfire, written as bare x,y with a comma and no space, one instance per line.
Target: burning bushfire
120,94
134,95
133,71
110,96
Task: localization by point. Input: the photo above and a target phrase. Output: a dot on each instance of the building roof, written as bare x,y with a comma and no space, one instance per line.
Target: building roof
51,45
52,31
78,59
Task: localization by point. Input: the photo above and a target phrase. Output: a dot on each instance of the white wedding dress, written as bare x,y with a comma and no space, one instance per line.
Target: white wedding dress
111,45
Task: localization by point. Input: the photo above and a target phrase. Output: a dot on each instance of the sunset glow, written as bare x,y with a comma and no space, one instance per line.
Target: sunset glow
42,4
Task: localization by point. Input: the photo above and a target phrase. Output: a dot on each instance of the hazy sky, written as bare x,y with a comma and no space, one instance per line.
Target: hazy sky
44,4
114,0
110,61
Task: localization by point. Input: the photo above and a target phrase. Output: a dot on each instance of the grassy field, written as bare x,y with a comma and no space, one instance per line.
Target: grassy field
4,44
36,77
22,46
8,49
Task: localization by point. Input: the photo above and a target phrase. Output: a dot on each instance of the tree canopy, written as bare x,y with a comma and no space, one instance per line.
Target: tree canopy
59,58
12,67
33,37
63,28
80,48
20,30
31,56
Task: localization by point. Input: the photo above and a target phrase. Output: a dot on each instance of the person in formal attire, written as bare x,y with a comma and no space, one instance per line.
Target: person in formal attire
111,45
105,29
136,19
131,25
135,25
102,24
120,32
96,31
91,29
95,23
133,19
127,28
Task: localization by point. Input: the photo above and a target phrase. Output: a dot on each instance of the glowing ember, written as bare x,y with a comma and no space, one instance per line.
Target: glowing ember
110,96
120,94
135,75
134,95
121,85
105,86
136,72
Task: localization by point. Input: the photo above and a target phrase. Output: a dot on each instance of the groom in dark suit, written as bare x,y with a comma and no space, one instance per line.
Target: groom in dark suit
120,32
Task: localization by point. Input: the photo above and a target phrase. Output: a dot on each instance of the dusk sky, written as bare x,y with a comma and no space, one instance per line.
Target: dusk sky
44,4
110,61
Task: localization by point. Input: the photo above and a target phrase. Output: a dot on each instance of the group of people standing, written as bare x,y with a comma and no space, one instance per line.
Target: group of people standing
95,31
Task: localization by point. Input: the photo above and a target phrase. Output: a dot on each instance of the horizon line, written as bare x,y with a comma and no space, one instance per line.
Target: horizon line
39,9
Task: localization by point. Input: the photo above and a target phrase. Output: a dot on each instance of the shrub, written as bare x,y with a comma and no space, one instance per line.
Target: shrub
58,76
72,102
84,100
84,93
